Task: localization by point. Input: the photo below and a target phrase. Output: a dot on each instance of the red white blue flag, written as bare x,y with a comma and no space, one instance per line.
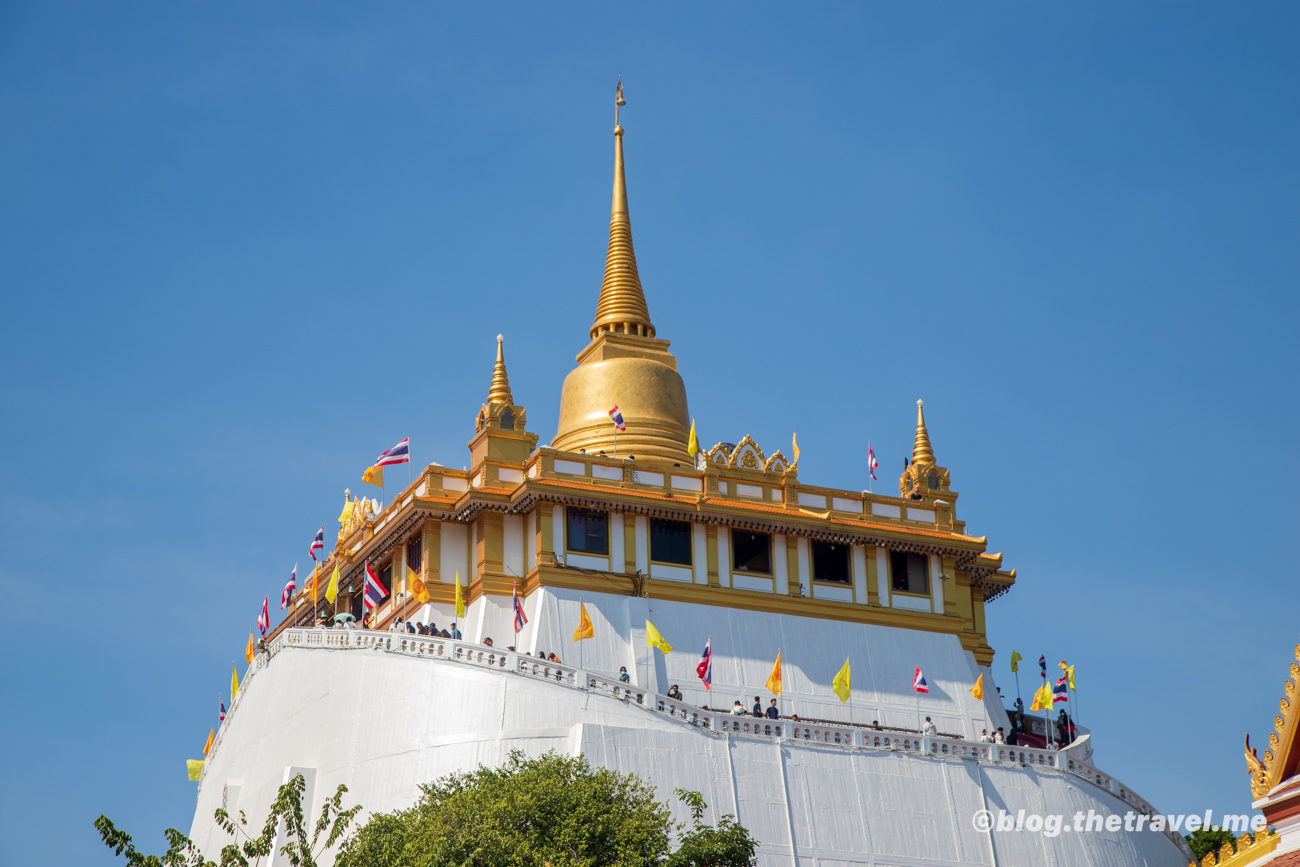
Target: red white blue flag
518,605
221,714
287,594
705,668
872,463
398,454
918,682
1059,692
317,543
264,619
1042,663
617,417
375,592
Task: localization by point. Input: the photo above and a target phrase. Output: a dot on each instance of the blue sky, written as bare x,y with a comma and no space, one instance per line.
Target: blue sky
245,247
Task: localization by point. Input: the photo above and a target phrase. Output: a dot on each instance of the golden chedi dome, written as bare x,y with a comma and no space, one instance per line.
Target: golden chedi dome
624,365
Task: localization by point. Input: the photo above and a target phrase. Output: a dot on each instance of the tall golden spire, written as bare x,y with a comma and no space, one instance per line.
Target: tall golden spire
500,390
621,307
921,451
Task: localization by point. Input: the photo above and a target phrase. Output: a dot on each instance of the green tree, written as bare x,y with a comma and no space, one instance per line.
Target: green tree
554,810
301,850
1205,840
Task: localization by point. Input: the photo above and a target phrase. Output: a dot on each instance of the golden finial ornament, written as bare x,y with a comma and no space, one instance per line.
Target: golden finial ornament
921,451
500,390
621,308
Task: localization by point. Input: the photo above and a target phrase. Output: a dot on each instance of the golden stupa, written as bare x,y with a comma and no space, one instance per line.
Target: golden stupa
625,365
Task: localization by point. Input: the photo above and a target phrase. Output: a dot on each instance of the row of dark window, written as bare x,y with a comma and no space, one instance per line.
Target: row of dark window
414,556
670,542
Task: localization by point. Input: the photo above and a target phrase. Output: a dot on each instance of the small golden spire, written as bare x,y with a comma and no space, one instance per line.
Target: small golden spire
621,307
500,390
921,451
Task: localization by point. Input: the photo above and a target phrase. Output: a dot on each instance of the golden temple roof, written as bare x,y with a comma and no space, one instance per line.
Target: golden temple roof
921,451
499,392
622,304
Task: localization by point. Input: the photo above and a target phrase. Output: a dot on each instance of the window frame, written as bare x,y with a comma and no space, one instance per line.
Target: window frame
735,552
893,573
848,563
689,562
568,531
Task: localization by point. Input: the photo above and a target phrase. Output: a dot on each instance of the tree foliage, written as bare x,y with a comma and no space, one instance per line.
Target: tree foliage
301,849
1205,840
553,810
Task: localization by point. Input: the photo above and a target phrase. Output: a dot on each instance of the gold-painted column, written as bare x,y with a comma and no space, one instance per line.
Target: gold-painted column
792,565
491,544
431,543
711,546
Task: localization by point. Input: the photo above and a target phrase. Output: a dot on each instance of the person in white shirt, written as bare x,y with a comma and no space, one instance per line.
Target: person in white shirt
998,737
928,729
738,709
984,736
396,625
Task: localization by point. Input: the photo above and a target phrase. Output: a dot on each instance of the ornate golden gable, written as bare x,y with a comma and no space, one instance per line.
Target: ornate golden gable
747,456
1283,754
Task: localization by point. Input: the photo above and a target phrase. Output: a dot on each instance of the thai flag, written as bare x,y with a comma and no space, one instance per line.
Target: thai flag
705,668
617,418
398,454
872,463
287,594
1060,691
221,714
375,592
264,619
1042,663
518,605
918,682
318,543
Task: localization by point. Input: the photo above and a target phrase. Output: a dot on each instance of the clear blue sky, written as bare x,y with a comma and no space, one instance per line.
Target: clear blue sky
244,247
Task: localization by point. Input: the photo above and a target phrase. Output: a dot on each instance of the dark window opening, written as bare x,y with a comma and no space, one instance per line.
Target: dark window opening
386,579
415,555
830,562
354,606
751,552
670,541
507,420
588,531
933,479
911,572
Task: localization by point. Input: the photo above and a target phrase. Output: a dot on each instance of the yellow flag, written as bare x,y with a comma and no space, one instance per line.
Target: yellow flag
1062,665
794,445
1015,661
585,629
373,476
248,651
416,587
333,589
347,511
978,689
1042,699
774,679
1069,673
654,639
841,685
194,767
314,585
692,444
234,684
208,745
460,598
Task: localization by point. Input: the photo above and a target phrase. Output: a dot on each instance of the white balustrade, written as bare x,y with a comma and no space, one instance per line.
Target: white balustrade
1070,760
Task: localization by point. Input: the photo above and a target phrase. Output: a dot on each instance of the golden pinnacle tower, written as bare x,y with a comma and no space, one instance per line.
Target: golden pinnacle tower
624,365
